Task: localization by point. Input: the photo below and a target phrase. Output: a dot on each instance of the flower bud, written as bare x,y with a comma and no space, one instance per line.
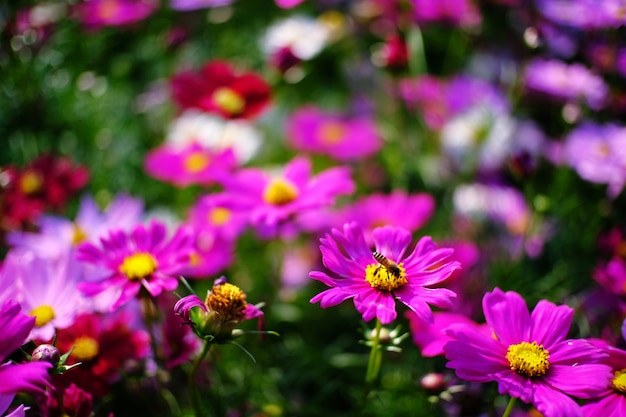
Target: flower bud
46,353
433,383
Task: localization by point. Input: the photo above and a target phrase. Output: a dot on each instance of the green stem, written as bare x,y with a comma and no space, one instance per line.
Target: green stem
373,365
509,407
192,378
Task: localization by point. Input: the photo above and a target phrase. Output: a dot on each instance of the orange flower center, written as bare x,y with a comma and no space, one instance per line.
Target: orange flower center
331,133
228,300
196,162
219,216
30,182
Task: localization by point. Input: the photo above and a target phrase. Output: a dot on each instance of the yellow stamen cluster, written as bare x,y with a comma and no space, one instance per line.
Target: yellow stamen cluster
196,162
279,192
619,381
138,265
44,314
228,100
385,279
331,133
85,348
528,359
228,300
31,182
78,235
219,216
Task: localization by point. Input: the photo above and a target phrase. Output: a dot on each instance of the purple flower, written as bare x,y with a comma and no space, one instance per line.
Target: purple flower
342,138
598,154
184,5
15,328
611,402
58,235
569,82
142,258
528,356
96,14
275,200
584,14
375,280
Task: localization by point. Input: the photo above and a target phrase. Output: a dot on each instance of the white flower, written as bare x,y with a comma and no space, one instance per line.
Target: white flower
305,36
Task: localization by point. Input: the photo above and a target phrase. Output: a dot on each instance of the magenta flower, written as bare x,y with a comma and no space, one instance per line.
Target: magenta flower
192,164
462,13
612,401
142,258
15,328
96,14
275,201
528,356
342,138
376,280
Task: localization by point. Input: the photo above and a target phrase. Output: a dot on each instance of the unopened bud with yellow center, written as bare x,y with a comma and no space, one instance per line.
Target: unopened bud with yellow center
280,192
85,348
528,359
44,314
138,265
227,300
228,100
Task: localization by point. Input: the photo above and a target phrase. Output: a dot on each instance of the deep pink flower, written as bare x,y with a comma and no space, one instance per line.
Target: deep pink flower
528,355
96,14
342,138
218,88
375,284
191,164
142,258
276,200
17,377
463,13
612,401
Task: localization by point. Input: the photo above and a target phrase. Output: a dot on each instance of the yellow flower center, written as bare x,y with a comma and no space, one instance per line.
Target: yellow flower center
619,381
219,216
85,348
228,100
196,162
44,314
331,133
78,235
138,265
30,182
279,192
528,359
108,9
386,278
228,301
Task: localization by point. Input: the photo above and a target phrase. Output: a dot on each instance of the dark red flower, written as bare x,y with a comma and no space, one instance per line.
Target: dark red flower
48,182
217,88
395,53
105,345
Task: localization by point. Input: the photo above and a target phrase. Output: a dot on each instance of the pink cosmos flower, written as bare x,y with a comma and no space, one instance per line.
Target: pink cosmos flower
30,377
142,258
212,254
375,280
463,13
218,212
192,164
568,82
598,154
342,138
185,5
96,14
287,4
274,201
47,289
612,401
528,355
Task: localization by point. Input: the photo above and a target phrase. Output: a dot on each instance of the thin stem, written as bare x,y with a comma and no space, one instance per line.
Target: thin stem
373,365
509,407
192,378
